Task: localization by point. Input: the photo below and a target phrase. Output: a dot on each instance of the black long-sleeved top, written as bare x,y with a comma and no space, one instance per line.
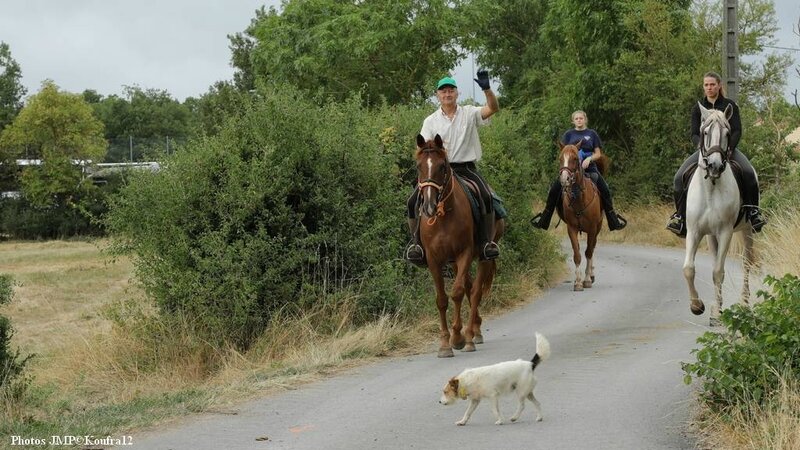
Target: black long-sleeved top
720,104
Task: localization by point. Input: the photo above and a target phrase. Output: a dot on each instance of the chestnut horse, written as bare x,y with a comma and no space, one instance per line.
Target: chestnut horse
580,209
448,235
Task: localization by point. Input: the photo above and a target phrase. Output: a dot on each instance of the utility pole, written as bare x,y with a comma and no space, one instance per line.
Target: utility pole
730,49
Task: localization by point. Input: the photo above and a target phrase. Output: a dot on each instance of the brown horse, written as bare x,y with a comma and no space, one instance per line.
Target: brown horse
447,232
580,210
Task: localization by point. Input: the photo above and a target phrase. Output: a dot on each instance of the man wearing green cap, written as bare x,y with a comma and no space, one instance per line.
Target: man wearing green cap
457,125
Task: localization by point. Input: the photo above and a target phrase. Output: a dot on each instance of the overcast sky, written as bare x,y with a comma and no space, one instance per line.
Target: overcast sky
177,45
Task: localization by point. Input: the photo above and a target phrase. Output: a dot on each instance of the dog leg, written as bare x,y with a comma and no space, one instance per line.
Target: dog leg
473,403
536,405
496,410
519,409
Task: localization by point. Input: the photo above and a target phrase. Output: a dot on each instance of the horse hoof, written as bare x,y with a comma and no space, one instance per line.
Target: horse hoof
469,347
458,345
697,307
587,283
445,353
478,339
577,287
714,322
592,278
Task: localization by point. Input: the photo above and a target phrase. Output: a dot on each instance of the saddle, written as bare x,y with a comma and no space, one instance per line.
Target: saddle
474,196
737,174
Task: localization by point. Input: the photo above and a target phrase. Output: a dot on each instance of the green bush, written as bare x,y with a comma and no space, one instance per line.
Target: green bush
13,382
291,202
761,342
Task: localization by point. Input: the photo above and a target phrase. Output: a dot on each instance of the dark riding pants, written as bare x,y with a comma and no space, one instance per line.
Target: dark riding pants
749,181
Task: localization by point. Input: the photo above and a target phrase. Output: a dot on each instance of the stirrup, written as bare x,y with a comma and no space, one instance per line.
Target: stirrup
755,219
677,225
536,220
620,222
490,251
415,255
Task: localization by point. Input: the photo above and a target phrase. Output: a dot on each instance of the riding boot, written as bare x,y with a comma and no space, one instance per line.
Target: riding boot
615,221
489,249
677,222
542,220
414,252
753,213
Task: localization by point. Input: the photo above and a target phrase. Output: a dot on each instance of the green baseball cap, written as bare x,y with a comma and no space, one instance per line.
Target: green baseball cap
446,81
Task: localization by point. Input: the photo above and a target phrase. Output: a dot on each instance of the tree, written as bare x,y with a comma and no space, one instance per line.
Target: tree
222,102
392,49
60,129
149,116
762,77
11,91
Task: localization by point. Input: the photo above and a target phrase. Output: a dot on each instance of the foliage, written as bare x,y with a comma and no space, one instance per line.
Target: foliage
58,128
11,93
11,89
143,115
23,220
761,343
634,66
13,382
391,49
222,102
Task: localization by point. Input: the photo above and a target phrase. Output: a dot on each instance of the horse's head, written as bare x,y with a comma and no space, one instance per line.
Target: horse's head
569,164
714,133
433,172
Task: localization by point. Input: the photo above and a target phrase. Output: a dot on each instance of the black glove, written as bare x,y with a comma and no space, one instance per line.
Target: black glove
483,79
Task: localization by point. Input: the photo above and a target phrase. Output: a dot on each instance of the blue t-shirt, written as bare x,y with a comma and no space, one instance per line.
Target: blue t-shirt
589,141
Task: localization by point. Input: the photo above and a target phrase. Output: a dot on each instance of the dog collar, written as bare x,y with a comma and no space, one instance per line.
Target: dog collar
462,393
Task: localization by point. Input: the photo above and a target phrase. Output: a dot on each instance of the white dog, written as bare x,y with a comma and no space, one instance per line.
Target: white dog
493,381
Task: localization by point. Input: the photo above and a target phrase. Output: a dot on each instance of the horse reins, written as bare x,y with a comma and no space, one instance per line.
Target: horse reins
572,180
429,182
713,149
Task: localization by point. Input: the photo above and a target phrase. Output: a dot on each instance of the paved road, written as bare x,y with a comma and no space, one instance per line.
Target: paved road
613,381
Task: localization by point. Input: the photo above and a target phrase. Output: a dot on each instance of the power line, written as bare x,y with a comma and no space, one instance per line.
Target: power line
782,48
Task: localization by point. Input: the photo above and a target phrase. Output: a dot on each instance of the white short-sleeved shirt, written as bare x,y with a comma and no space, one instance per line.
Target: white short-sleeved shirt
460,135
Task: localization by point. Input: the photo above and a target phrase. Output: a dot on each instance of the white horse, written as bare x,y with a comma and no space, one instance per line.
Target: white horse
712,207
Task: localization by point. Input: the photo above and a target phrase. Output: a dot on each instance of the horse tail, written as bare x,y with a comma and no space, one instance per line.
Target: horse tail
603,163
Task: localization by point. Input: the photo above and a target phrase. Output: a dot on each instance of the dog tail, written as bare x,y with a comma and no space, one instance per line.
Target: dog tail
542,350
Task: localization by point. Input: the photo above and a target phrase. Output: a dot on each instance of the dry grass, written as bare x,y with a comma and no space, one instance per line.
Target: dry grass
775,427
61,287
778,244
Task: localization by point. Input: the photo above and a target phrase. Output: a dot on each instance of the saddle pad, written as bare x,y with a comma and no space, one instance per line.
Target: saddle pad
471,189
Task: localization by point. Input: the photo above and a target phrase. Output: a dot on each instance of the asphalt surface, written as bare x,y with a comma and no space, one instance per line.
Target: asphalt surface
614,380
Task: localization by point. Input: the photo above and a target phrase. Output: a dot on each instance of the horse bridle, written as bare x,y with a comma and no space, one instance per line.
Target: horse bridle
705,153
571,178
430,182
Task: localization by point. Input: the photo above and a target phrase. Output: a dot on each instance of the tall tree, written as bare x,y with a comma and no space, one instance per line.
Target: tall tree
392,49
146,117
60,129
11,90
